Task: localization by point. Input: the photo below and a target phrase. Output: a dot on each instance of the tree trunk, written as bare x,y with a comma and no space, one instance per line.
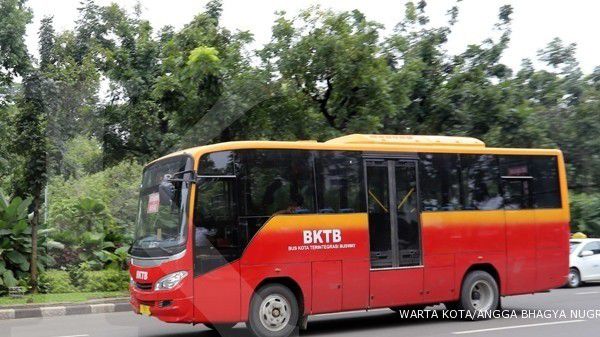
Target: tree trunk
34,242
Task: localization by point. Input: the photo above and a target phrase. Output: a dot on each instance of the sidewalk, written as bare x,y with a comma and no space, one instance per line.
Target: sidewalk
38,310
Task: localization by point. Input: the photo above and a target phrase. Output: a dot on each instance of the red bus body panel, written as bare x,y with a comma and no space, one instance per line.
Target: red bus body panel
527,249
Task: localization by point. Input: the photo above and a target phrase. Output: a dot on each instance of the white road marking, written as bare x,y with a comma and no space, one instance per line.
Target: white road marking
75,336
588,293
516,327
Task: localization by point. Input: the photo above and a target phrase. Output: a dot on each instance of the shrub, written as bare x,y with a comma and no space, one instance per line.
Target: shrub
77,274
105,280
55,281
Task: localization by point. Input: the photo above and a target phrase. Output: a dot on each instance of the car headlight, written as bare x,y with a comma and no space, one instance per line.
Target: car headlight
131,281
170,281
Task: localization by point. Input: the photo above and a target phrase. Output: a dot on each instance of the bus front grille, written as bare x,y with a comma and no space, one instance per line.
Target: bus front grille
143,286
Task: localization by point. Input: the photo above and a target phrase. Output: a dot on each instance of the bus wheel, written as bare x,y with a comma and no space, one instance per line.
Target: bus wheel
274,312
220,326
479,294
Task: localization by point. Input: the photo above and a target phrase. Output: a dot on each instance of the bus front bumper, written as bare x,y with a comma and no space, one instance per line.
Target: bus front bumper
164,305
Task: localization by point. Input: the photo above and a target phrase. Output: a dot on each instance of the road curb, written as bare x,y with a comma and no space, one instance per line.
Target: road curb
65,310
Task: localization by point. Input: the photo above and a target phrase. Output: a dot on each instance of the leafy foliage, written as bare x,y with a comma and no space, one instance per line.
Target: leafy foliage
14,19
15,242
585,211
95,214
106,280
55,282
59,281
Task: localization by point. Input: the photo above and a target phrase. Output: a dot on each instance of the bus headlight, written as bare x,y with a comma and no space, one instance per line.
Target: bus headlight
170,281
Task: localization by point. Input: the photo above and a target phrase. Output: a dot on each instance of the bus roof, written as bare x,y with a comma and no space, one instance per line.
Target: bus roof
407,140
374,143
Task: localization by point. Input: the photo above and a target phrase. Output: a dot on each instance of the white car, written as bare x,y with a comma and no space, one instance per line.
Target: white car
584,262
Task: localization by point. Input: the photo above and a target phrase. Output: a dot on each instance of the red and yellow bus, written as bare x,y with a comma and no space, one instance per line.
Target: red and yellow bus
269,232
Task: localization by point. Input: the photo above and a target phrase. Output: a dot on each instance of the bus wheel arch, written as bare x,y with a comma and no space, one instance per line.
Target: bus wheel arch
289,283
483,267
486,267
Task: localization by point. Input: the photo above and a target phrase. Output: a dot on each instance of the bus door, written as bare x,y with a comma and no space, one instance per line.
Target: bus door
396,275
521,238
216,250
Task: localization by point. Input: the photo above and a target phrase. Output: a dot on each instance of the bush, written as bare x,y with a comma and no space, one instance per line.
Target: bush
77,274
105,280
55,281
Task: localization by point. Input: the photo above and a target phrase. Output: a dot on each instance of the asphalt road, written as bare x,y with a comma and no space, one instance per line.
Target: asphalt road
554,317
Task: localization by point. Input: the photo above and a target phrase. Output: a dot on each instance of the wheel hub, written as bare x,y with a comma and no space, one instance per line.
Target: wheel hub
482,296
275,312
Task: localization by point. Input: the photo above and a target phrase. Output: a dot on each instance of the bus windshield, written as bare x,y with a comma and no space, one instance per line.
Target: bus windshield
161,220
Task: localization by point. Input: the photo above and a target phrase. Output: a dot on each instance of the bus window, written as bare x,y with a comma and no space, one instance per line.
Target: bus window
516,193
440,187
216,236
516,182
480,182
339,182
546,188
407,214
273,182
379,214
217,163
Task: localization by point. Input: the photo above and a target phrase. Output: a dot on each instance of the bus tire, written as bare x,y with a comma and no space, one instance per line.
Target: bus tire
274,312
479,293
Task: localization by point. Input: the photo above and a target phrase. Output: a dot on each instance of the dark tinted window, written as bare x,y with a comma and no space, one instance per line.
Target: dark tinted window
276,181
516,182
514,166
216,234
217,163
440,184
479,174
517,193
339,182
407,214
546,189
378,191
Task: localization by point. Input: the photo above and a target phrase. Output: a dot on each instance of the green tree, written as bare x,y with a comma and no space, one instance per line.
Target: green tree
82,156
332,60
47,40
14,59
31,144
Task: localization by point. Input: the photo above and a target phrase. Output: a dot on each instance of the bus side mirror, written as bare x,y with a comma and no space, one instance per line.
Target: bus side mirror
586,253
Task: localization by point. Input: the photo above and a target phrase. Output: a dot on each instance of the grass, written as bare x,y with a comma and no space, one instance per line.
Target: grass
60,298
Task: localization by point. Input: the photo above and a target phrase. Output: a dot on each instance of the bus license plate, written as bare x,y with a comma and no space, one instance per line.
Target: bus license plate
145,310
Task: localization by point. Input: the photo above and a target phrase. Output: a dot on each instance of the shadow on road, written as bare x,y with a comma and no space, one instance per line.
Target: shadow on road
322,325
371,323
